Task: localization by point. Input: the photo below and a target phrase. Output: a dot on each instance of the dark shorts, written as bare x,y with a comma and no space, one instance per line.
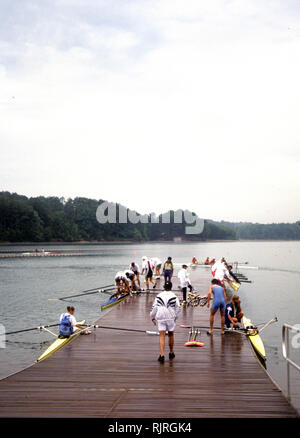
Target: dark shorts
168,273
149,274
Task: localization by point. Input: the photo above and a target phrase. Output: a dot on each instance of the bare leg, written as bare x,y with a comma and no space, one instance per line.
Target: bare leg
211,320
138,280
171,341
162,335
222,312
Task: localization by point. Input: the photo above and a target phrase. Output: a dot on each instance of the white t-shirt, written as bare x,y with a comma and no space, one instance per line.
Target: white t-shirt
135,268
183,276
71,319
155,261
120,276
145,266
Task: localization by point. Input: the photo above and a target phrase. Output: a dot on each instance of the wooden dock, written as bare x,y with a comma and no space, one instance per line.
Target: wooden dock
115,374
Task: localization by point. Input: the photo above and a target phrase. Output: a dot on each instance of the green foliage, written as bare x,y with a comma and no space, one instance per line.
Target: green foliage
44,219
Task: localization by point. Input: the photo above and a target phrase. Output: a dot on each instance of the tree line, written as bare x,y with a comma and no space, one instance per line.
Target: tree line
50,219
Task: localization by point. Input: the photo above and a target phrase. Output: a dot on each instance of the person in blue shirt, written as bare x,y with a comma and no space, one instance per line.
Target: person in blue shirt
233,312
219,303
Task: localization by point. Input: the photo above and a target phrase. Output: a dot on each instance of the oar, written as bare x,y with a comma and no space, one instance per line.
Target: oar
148,332
30,329
105,289
266,324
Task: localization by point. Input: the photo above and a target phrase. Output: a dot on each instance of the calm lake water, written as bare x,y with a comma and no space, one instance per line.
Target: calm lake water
26,284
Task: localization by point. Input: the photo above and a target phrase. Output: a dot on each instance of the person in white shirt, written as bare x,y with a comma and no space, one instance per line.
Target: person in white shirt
147,268
136,269
165,311
131,276
156,263
122,282
67,322
185,282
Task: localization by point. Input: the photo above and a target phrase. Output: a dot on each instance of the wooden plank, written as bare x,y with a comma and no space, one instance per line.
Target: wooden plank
116,374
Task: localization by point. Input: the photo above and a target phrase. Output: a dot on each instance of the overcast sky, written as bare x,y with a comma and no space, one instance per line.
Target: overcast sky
157,104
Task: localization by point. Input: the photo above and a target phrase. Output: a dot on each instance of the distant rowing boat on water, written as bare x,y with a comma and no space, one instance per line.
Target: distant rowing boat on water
203,265
39,254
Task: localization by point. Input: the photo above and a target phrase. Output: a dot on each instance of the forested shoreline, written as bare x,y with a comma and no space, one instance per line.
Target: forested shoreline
54,219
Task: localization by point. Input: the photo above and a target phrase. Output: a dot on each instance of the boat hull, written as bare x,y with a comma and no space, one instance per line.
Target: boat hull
59,343
255,340
111,303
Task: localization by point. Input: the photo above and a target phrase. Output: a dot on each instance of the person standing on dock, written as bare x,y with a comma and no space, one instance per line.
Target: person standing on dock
168,269
219,303
165,311
184,282
136,269
147,269
67,322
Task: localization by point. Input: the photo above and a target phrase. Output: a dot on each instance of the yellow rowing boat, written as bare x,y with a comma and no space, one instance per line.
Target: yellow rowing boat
254,338
59,343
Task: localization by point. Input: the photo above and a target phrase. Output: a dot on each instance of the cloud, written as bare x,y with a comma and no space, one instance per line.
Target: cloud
154,104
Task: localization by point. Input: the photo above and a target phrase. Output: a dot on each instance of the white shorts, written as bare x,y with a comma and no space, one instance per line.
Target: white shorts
168,325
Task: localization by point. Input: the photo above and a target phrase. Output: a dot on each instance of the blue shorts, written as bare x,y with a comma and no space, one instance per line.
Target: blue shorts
218,305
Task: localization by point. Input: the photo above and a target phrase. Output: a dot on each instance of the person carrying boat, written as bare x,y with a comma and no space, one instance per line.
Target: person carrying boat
233,312
168,269
184,282
122,282
165,311
136,269
67,322
147,269
219,303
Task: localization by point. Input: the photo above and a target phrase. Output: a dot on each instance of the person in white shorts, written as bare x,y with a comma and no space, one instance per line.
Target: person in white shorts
165,311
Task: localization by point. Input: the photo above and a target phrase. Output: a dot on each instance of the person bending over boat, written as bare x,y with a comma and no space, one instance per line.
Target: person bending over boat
233,312
165,311
219,303
147,268
184,282
136,269
131,276
156,263
229,267
67,322
168,269
122,282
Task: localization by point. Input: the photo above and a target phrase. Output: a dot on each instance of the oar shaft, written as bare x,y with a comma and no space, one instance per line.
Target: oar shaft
31,329
123,329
